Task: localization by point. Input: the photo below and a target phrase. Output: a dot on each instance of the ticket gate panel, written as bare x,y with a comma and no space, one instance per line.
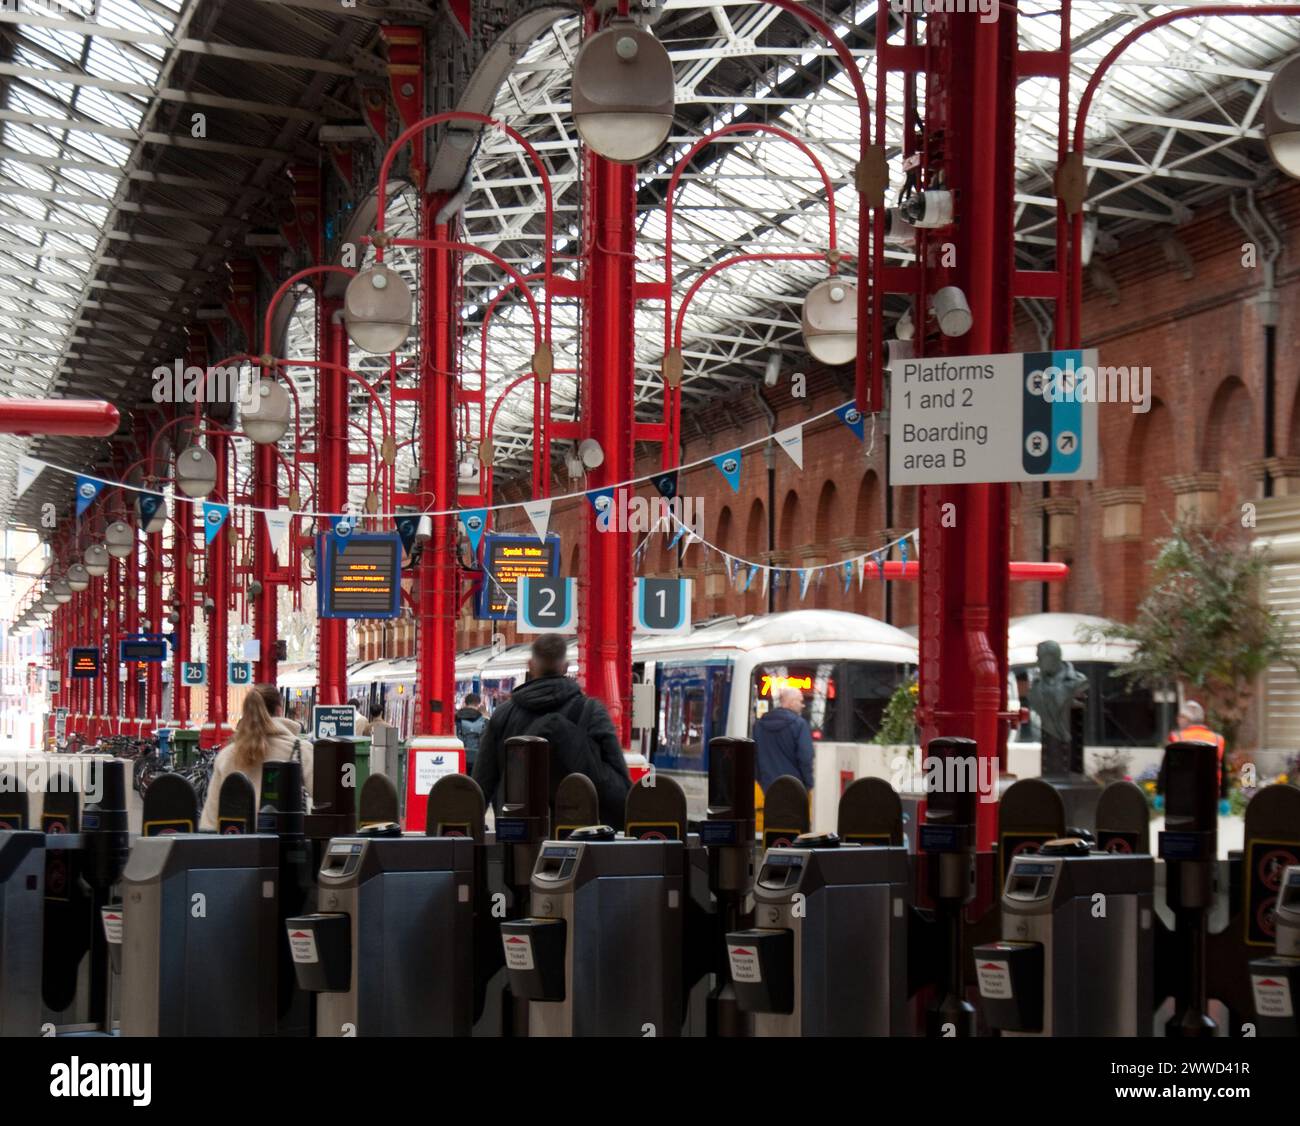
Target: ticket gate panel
199,936
845,909
409,902
621,904
22,912
1091,916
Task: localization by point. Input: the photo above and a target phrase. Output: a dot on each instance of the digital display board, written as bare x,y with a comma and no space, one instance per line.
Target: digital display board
507,559
360,575
83,663
142,649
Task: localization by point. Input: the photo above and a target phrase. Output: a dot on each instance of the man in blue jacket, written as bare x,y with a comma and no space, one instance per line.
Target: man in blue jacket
784,741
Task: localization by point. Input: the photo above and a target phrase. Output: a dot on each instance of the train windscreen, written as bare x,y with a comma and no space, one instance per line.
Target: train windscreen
844,701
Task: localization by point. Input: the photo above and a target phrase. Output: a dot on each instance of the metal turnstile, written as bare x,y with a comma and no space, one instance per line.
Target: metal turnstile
199,940
391,952
22,911
1077,940
601,954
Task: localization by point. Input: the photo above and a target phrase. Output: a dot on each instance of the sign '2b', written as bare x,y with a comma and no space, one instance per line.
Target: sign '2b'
546,605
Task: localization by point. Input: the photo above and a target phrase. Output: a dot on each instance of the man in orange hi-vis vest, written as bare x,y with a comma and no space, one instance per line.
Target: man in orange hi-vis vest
1192,728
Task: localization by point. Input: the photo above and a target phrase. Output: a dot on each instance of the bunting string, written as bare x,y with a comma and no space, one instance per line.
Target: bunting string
878,555
846,412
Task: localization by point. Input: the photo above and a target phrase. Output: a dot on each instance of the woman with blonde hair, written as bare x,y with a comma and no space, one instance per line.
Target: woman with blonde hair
261,735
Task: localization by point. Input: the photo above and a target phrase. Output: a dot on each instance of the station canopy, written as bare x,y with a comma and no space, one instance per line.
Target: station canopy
117,222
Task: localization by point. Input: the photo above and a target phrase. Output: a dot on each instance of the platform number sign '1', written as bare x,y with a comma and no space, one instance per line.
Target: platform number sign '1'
663,605
241,672
545,605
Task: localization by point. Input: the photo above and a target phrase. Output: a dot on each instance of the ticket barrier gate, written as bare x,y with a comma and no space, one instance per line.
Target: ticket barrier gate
1075,958
197,956
22,910
602,952
728,837
1275,981
1256,927
827,956
390,951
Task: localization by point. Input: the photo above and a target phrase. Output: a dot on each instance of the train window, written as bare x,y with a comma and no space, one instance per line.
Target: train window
867,688
1126,715
718,699
817,682
692,730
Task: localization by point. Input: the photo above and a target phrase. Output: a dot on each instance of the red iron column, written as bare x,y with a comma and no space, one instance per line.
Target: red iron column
331,487
183,593
217,588
608,385
436,634
266,624
964,560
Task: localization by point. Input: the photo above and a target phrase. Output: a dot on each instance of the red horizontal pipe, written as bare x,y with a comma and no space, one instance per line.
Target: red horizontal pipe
1019,572
75,418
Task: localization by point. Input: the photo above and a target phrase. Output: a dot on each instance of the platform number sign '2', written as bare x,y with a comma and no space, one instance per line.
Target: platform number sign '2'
546,605
663,605
194,673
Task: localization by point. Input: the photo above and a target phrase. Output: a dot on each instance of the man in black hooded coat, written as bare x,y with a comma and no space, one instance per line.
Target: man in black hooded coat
582,735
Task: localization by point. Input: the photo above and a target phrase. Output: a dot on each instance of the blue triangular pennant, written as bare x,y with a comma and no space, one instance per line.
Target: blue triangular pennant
87,490
852,418
407,526
848,575
474,520
902,552
666,484
149,504
878,558
602,504
804,576
214,516
749,579
729,466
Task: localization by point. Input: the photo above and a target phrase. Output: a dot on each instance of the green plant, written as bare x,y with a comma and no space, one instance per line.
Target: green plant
1202,623
898,724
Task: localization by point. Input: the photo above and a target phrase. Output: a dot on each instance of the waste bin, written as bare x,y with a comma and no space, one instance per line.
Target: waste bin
185,748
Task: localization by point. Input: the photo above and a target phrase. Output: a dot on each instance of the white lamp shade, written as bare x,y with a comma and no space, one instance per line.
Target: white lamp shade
624,93
264,412
62,591
78,578
196,472
1282,117
830,321
119,539
377,309
48,601
96,559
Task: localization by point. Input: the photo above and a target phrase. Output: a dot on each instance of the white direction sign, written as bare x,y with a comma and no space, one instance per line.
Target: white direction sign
1028,416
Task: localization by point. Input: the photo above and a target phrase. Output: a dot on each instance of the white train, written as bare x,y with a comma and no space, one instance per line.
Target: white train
724,674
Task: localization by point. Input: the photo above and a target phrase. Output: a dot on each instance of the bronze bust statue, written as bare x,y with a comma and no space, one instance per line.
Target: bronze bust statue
1052,696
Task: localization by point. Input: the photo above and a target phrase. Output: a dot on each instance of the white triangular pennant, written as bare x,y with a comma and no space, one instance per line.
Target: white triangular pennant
862,569
791,440
277,526
539,512
28,470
